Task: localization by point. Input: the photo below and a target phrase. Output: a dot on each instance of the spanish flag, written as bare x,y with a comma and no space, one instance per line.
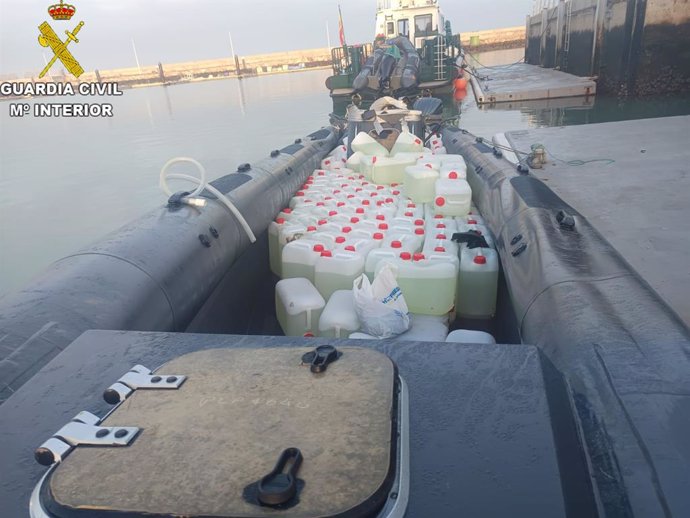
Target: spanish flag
341,28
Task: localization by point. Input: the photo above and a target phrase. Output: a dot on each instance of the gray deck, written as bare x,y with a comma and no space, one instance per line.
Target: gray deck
523,82
640,203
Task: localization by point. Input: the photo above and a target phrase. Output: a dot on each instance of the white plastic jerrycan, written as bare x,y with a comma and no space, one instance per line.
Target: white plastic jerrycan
299,259
368,145
428,286
337,271
298,307
477,283
420,184
453,197
339,318
407,143
465,336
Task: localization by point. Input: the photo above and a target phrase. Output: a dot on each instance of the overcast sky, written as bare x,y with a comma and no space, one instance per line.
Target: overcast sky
185,30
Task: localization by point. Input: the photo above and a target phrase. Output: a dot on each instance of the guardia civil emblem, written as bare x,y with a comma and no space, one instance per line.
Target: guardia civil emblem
48,38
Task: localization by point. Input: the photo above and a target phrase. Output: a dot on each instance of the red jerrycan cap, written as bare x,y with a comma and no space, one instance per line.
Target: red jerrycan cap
383,226
409,214
309,335
439,249
359,210
480,259
326,253
319,248
299,193
419,257
280,221
440,201
333,213
396,193
311,228
340,240
419,231
366,202
322,221
438,216
350,248
453,175
320,204
354,219
471,221
346,230
378,236
441,225
340,204
396,244
287,210
406,256
381,217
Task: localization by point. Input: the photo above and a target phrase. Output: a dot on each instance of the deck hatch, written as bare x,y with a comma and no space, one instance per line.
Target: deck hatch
202,447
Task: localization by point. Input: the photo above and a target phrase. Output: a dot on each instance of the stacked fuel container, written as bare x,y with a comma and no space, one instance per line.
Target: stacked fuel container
376,209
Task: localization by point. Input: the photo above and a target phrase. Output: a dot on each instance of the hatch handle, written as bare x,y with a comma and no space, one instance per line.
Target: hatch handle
280,485
320,358
473,239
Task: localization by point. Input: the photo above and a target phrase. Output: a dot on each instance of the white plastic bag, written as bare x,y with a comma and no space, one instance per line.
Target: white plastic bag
381,307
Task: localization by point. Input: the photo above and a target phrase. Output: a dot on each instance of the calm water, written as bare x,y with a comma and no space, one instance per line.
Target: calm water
64,183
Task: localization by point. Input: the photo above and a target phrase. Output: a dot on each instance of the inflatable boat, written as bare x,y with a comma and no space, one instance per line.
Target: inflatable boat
149,375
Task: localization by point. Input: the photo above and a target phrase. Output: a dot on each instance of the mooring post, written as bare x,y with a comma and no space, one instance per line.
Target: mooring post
598,33
544,30
161,74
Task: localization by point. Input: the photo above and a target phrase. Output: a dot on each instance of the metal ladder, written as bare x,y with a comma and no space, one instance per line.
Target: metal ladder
440,58
568,16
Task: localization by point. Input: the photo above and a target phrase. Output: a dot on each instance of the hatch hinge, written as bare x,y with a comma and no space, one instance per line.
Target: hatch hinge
139,377
83,429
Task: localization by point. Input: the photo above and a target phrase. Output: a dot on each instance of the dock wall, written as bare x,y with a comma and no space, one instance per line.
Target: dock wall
508,38
257,64
633,47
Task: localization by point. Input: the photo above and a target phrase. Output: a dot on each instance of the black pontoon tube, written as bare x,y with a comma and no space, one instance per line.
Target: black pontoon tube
624,352
153,274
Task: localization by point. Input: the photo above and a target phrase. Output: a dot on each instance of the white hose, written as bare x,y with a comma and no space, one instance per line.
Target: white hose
202,184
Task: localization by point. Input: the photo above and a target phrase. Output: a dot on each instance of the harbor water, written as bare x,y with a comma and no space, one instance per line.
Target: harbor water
65,183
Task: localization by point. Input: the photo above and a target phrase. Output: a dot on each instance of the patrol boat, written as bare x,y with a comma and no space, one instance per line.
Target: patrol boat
147,375
414,52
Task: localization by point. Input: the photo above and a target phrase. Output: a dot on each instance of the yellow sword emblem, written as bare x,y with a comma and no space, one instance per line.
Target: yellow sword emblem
48,38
